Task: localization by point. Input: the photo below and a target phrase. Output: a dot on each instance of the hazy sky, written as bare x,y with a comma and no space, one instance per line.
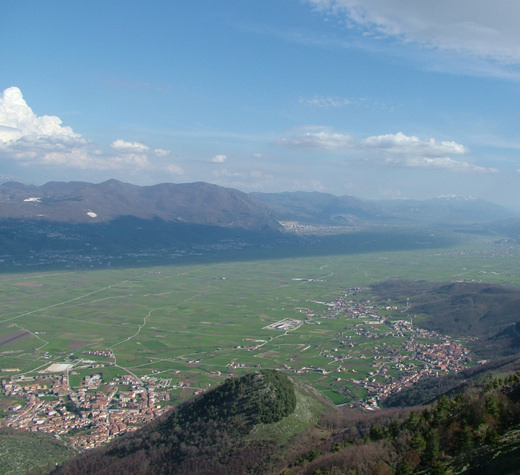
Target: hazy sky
371,98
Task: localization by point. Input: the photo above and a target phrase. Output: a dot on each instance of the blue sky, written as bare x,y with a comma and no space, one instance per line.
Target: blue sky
377,99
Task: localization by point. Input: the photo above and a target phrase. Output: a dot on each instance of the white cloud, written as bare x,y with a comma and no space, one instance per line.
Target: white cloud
127,160
389,149
220,158
42,140
128,147
75,158
325,102
24,136
445,163
400,143
319,140
478,27
161,152
174,169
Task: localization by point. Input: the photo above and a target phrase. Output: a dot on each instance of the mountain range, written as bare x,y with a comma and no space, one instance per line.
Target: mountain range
80,202
327,209
119,219
208,204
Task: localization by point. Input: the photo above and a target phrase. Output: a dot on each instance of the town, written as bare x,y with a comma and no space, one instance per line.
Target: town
97,410
88,415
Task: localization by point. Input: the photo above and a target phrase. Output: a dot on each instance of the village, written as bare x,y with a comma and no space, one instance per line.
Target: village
99,410
88,416
423,353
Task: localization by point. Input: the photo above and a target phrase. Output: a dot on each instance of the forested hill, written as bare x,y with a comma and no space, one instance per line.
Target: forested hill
57,220
476,431
487,312
206,435
81,202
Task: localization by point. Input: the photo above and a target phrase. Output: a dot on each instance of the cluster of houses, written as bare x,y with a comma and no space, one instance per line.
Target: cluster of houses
89,415
422,353
98,410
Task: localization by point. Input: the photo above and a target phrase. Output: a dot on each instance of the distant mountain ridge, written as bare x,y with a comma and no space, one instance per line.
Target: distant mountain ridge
80,202
207,204
85,224
327,209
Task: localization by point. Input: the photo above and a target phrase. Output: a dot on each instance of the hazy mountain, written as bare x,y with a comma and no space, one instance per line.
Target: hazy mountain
327,209
207,204
79,202
446,209
84,224
78,220
509,227
320,208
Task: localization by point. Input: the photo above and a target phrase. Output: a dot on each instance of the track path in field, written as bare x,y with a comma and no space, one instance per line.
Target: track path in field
63,302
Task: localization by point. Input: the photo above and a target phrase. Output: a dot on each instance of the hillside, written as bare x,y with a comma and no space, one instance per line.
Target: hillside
206,435
320,208
326,209
81,224
489,313
22,451
428,389
79,202
477,431
207,204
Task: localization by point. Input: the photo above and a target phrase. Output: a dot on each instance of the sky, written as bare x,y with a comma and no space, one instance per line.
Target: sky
378,99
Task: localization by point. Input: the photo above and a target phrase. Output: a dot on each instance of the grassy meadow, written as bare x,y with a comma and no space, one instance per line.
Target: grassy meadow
193,323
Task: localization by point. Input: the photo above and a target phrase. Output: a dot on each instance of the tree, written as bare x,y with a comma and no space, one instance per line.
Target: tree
418,443
382,468
377,432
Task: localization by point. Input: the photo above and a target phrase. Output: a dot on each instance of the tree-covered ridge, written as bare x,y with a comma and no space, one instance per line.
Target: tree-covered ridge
428,389
487,312
263,397
206,435
476,431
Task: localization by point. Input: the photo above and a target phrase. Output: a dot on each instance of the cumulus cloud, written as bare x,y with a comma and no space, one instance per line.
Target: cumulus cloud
479,27
389,149
400,143
319,140
24,135
128,147
220,158
30,139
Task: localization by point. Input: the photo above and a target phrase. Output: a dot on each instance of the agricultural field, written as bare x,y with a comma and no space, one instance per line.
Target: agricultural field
195,324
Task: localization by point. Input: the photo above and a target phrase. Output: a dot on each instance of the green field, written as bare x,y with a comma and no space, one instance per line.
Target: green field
191,322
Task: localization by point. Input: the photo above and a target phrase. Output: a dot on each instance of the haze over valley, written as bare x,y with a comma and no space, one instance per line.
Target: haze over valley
260,237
